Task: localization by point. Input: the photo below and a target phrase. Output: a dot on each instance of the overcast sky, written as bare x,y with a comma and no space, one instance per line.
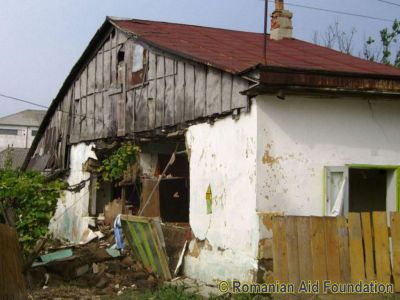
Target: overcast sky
42,40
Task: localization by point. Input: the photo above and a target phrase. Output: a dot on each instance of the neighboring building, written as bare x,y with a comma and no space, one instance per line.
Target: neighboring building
18,130
309,131
17,156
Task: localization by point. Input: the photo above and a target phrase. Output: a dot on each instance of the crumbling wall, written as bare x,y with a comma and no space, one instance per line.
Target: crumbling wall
223,170
71,220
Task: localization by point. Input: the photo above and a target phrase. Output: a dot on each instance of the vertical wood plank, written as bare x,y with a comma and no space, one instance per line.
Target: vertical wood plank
292,250
357,270
239,85
382,258
213,86
84,82
141,113
77,90
90,116
160,92
303,235
332,249
98,114
226,91
344,255
279,250
92,76
130,109
395,231
99,72
114,65
318,251
169,100
83,119
152,72
189,92
180,93
368,247
107,69
200,91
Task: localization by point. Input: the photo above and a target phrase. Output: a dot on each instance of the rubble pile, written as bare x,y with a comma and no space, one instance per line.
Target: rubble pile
95,268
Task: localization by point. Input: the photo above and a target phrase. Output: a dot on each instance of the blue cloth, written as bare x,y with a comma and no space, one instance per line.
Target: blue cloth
119,236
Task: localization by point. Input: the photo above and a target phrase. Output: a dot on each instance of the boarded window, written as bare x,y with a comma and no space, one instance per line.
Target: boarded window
7,131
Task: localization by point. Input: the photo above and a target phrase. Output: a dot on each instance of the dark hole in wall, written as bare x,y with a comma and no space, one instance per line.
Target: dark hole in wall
121,55
174,200
367,190
132,197
180,168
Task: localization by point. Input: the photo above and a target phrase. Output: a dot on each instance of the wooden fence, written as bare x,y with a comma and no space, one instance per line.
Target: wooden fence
361,247
12,284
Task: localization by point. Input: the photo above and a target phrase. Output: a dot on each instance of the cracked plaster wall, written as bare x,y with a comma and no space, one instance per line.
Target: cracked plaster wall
223,155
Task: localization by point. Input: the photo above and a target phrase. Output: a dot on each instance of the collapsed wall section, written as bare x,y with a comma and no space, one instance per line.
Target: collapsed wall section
71,219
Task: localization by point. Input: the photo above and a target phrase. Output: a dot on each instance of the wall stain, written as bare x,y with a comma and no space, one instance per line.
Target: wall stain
270,160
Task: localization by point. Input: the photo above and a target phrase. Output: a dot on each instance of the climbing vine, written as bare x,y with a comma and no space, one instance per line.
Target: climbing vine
113,167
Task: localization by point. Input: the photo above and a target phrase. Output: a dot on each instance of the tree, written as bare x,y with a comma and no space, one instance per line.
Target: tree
336,38
386,50
389,50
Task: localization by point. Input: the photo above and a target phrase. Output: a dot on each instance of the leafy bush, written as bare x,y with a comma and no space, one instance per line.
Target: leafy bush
34,201
113,167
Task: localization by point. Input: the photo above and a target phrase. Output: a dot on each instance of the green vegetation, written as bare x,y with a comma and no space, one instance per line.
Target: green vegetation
33,200
113,167
384,49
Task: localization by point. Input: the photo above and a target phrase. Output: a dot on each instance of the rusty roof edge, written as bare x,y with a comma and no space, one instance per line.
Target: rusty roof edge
274,68
173,52
76,69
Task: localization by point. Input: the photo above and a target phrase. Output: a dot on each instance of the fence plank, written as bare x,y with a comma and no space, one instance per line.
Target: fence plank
382,259
12,284
318,251
357,270
395,231
344,255
279,250
303,235
332,249
368,248
292,250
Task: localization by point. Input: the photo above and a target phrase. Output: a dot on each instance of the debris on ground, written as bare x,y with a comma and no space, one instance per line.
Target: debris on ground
87,271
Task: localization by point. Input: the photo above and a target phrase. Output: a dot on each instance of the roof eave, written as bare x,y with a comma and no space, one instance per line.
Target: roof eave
274,78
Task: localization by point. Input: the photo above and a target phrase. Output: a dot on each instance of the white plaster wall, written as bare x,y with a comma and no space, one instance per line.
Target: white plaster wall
297,137
70,222
17,141
223,156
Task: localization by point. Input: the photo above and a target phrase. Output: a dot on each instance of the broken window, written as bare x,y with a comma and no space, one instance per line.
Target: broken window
138,61
360,189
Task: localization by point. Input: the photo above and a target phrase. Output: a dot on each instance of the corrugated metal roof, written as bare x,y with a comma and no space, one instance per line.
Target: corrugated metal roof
237,51
27,117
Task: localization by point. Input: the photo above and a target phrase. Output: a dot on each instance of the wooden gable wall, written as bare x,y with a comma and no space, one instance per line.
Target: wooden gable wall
110,97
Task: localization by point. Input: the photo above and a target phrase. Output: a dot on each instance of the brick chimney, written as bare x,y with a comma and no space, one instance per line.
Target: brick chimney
281,22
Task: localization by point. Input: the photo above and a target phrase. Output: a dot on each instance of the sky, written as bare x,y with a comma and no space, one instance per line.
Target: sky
42,40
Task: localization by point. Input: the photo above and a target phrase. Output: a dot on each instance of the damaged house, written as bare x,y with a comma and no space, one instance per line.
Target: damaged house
309,131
